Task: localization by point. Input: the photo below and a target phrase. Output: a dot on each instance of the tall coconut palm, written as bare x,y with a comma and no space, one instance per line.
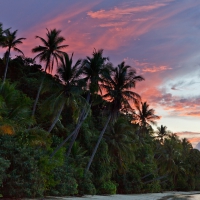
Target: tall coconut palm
72,85
120,139
162,132
145,116
187,146
171,161
48,53
118,93
93,69
10,42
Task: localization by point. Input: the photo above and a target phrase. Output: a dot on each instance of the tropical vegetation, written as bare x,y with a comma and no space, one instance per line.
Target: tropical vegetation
82,129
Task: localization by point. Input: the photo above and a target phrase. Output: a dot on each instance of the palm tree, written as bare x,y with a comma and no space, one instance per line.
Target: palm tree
72,85
187,146
120,140
49,52
171,161
145,116
162,132
93,70
10,42
119,95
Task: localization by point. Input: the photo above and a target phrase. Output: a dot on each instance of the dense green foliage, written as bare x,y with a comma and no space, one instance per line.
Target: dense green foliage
75,106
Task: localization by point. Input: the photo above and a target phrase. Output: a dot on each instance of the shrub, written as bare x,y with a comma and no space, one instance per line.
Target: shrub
4,164
30,173
85,185
23,178
108,188
66,184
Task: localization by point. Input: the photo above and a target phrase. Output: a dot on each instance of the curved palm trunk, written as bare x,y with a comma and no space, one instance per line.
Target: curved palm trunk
72,142
38,95
56,118
74,132
78,126
39,91
97,144
6,69
82,116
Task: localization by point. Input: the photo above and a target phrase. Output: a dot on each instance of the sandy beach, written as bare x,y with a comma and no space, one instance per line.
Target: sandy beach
151,196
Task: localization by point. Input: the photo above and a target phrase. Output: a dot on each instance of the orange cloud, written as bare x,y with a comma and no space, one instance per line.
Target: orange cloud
194,113
194,141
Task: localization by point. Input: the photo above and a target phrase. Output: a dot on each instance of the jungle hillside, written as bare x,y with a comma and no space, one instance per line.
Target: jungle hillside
75,127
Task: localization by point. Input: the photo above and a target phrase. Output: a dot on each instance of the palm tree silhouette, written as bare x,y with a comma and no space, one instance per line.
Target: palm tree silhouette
120,138
72,85
49,52
93,69
10,42
119,95
145,116
162,132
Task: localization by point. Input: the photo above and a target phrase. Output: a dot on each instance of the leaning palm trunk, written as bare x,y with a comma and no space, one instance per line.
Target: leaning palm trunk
39,91
38,95
72,142
83,115
78,126
75,135
6,69
97,144
57,117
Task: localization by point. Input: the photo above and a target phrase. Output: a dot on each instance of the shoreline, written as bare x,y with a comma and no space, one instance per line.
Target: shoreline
149,196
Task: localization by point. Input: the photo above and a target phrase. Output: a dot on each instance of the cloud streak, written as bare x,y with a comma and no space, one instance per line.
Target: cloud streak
117,13
156,69
158,38
193,137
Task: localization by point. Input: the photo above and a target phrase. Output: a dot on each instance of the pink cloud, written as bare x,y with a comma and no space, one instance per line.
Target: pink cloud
188,134
71,27
113,34
176,106
194,113
117,13
116,36
79,34
193,137
117,24
156,69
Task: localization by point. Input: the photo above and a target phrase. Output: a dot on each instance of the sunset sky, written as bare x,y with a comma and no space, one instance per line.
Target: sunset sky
160,39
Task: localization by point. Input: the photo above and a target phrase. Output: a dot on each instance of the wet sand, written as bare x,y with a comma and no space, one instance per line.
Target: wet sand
151,196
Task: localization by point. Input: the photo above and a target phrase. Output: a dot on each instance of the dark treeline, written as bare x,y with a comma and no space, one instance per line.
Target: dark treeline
83,130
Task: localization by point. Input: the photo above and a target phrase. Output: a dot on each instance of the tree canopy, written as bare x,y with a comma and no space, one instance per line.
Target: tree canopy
90,132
